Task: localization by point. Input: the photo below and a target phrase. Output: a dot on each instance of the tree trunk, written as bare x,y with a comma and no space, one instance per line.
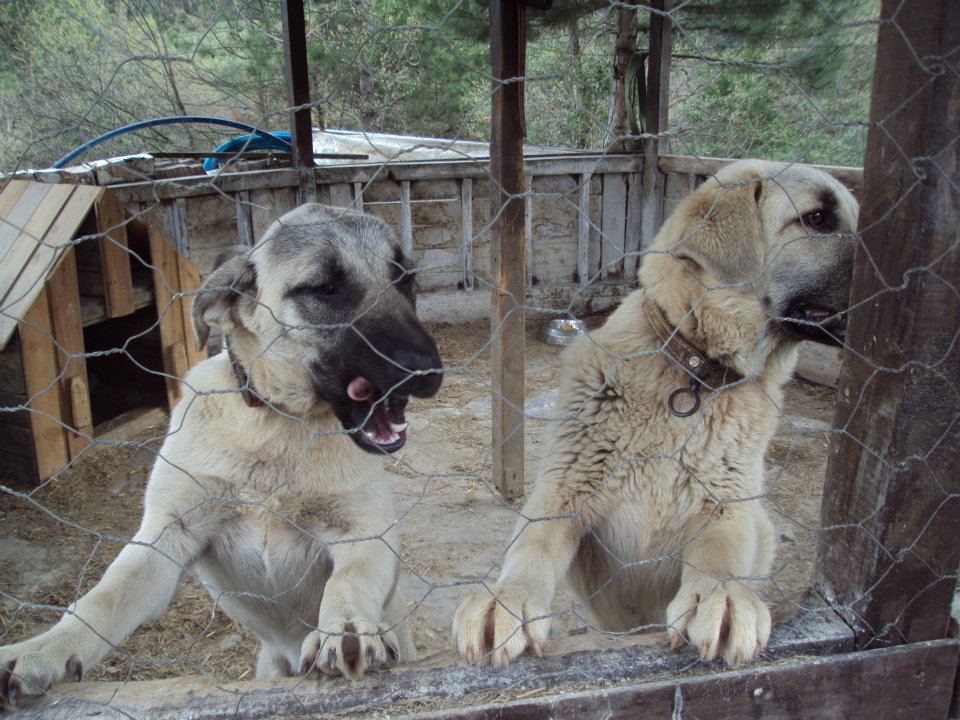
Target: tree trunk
618,128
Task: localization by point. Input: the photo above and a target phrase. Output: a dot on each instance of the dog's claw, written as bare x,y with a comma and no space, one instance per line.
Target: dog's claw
505,659
537,650
471,656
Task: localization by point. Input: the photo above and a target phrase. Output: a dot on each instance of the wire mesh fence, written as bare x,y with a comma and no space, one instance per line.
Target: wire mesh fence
307,492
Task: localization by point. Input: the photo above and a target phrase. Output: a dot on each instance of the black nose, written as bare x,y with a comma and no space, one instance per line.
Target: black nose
424,369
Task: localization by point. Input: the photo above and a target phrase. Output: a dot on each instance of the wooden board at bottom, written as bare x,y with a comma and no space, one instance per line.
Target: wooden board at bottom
909,681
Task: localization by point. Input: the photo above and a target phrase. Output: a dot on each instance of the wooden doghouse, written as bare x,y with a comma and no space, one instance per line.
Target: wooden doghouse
72,261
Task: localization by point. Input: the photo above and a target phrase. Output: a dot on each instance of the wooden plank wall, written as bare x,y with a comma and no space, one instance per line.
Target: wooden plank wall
583,215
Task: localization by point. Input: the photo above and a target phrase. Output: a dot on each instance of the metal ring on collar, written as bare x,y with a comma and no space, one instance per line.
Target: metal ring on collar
693,391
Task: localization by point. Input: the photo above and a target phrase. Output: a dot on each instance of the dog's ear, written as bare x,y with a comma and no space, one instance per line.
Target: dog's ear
233,278
723,232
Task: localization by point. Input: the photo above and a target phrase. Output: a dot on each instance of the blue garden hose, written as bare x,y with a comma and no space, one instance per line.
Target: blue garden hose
259,140
279,140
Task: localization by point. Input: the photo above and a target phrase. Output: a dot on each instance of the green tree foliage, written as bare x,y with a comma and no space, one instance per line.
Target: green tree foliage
785,79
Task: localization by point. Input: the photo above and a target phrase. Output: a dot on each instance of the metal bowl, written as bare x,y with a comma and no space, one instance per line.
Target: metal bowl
562,331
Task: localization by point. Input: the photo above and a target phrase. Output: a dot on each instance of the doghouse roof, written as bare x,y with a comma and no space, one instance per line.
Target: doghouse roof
37,221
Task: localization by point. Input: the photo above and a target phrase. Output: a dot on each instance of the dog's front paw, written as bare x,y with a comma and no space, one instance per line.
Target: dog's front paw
28,670
497,627
349,648
720,619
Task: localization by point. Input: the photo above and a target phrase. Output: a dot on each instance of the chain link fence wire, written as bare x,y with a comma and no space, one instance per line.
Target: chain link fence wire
408,86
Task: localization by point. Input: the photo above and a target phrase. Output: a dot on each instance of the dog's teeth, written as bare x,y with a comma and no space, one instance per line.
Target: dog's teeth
370,435
398,428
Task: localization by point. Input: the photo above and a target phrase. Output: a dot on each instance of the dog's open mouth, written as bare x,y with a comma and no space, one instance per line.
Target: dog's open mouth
818,323
379,422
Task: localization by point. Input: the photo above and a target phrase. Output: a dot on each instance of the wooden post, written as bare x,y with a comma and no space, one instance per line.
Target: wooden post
466,231
655,116
507,261
298,95
888,551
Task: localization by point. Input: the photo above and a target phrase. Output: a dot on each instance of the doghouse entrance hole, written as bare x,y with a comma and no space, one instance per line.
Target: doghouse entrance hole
123,381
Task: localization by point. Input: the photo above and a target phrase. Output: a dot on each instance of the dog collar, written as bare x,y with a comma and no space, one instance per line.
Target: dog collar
247,391
703,371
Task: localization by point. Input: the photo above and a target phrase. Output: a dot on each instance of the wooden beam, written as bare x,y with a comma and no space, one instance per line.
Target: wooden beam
631,243
605,661
655,116
507,250
114,255
298,96
41,372
890,684
244,213
64,297
888,550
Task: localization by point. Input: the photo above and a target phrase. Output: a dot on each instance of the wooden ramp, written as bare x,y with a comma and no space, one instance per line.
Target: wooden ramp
65,264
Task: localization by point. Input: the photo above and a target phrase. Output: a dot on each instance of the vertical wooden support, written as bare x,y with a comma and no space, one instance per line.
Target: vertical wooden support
41,371
466,231
507,263
114,256
298,95
64,298
583,231
655,115
888,550
406,218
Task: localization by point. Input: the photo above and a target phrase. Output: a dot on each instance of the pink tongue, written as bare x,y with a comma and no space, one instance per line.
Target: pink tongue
359,389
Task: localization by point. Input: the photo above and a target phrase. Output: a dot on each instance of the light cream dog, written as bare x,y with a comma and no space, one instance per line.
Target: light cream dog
656,515
269,487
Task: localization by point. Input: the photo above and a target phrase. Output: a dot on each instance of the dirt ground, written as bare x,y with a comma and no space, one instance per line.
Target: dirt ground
56,541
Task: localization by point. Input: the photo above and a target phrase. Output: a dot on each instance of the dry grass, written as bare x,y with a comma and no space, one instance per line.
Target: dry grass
59,540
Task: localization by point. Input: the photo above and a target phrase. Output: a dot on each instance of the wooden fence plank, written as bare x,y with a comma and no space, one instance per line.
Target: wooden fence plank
613,225
406,219
583,231
888,550
528,228
64,299
358,196
41,370
114,256
166,281
631,243
244,219
466,231
190,281
341,195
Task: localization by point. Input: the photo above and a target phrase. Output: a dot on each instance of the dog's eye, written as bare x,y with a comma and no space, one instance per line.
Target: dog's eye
816,219
324,290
